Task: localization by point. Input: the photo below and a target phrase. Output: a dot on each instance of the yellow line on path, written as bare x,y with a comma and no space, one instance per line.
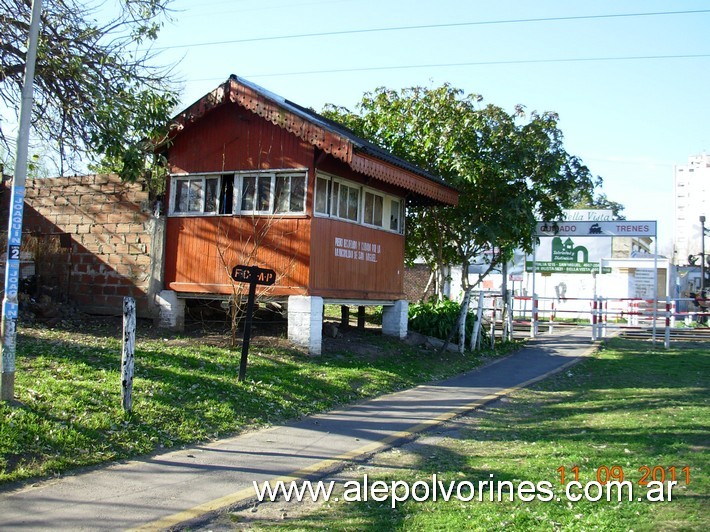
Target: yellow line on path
248,493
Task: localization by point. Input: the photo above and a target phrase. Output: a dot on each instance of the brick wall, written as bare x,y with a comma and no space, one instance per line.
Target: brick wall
415,281
90,238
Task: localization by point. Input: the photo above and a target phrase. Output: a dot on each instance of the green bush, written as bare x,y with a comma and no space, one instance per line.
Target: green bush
437,318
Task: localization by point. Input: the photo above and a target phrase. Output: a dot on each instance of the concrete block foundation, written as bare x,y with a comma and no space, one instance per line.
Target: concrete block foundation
305,322
395,319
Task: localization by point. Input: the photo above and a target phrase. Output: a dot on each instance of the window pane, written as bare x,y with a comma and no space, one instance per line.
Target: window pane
194,202
211,192
298,193
394,215
322,195
282,193
369,207
343,202
264,194
182,195
377,215
352,203
248,193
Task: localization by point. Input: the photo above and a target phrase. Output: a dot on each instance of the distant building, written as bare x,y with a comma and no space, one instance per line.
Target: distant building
692,199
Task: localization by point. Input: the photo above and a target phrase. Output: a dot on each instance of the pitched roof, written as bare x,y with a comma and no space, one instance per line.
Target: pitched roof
333,138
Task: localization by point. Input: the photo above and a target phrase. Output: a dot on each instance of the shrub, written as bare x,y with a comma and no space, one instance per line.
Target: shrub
437,318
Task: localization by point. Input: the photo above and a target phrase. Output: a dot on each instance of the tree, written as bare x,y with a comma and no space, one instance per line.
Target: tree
584,200
98,96
510,169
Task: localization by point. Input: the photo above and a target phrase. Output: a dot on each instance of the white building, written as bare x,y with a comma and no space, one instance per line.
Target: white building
692,200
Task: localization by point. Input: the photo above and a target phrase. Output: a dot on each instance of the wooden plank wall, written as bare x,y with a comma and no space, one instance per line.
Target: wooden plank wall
350,261
231,138
201,252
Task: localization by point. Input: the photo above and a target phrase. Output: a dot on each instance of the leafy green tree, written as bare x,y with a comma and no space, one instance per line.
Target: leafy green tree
98,97
511,169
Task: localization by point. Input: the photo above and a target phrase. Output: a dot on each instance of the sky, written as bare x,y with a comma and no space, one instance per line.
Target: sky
629,79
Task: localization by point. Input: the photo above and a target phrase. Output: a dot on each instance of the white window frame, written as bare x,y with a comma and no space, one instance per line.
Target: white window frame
273,177
335,200
239,193
323,178
236,179
387,214
189,178
375,194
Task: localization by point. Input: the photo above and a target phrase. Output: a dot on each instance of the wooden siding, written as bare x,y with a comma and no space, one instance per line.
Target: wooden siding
350,261
232,138
200,252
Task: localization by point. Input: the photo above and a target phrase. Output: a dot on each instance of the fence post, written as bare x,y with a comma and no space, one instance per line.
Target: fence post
462,325
476,336
127,352
552,318
667,336
533,322
493,323
509,316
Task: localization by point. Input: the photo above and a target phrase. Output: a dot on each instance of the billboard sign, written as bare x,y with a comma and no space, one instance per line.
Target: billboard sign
596,229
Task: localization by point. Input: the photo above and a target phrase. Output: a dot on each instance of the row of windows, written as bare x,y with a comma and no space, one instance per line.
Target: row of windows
346,200
260,193
264,193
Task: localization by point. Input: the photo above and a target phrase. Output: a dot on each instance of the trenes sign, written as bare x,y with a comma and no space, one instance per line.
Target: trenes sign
591,228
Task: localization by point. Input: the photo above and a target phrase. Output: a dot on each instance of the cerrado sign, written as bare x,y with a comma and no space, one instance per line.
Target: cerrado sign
254,276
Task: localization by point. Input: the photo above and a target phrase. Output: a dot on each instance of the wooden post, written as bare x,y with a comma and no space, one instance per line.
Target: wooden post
127,353
344,316
361,318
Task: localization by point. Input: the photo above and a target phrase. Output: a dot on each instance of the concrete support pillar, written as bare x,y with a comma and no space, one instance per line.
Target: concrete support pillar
171,310
395,318
305,322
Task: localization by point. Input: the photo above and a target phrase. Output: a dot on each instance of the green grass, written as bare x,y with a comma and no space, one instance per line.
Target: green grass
629,406
68,412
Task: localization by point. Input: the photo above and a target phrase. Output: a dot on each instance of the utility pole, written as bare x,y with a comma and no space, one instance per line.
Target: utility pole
17,203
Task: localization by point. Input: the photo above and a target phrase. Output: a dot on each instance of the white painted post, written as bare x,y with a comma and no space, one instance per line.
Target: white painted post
476,336
493,323
464,316
127,353
509,317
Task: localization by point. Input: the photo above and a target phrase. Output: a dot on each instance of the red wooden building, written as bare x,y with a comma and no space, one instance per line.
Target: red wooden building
258,180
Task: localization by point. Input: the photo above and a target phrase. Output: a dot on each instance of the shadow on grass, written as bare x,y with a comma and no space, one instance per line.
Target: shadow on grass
631,405
69,394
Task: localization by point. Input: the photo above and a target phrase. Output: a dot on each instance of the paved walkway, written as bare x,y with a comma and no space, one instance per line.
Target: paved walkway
174,488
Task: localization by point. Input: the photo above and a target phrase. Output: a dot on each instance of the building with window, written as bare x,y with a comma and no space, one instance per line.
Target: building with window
258,180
